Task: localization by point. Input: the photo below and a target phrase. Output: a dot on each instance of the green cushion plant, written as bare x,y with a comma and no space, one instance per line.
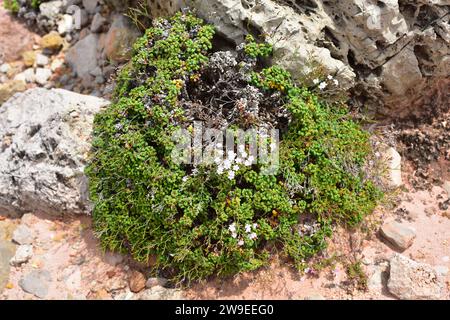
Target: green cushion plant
196,222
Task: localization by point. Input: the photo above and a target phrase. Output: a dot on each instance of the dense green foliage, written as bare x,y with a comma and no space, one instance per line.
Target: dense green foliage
14,6
195,224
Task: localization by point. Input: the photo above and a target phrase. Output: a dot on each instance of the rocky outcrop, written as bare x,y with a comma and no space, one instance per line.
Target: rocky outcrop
387,51
411,280
44,139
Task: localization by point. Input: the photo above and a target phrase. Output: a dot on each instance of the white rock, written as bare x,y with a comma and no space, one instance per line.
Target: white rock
41,60
446,187
65,24
56,64
23,254
22,235
42,75
48,153
414,281
28,76
51,9
399,235
393,162
4,68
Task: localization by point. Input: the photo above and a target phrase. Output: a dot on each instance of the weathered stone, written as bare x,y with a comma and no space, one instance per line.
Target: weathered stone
52,41
113,258
7,251
46,153
161,293
411,280
137,281
446,187
90,5
97,23
82,57
36,282
120,38
42,60
401,236
51,9
23,235
65,24
42,75
393,162
23,254
8,89
29,58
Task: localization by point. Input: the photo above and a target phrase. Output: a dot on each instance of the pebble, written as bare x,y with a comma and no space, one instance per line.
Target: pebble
4,68
23,254
42,60
156,281
136,281
42,75
97,23
22,235
401,236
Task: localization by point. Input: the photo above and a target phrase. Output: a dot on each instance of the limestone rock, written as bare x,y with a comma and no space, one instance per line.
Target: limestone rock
401,236
161,293
52,41
23,254
45,140
393,162
411,280
23,235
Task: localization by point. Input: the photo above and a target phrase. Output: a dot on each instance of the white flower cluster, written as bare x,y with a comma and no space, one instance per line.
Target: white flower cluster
324,84
249,230
232,162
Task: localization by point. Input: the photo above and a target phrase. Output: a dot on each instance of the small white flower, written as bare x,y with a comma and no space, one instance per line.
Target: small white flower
244,154
220,169
231,155
227,164
252,236
240,243
322,85
234,235
336,82
218,160
330,77
239,160
219,152
235,167
195,171
185,178
231,175
219,145
273,146
241,148
232,227
316,81
255,225
248,228
377,154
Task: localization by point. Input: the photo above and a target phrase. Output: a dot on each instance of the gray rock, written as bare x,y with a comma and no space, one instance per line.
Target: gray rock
411,280
36,282
7,251
97,23
51,9
23,235
90,5
45,137
399,235
82,57
23,254
113,258
161,293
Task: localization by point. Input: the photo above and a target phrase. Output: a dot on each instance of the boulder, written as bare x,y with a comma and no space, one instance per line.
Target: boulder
410,280
45,140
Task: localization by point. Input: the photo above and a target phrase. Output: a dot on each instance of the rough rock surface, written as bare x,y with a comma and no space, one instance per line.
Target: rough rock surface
82,57
36,282
399,235
44,137
412,280
384,48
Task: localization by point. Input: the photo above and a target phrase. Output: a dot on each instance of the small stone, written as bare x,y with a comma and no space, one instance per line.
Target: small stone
137,281
113,258
411,280
161,293
90,5
65,24
79,260
4,68
28,76
36,282
120,38
52,41
96,72
82,57
402,237
23,254
29,58
42,75
156,281
56,64
8,89
97,23
22,235
393,161
41,60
